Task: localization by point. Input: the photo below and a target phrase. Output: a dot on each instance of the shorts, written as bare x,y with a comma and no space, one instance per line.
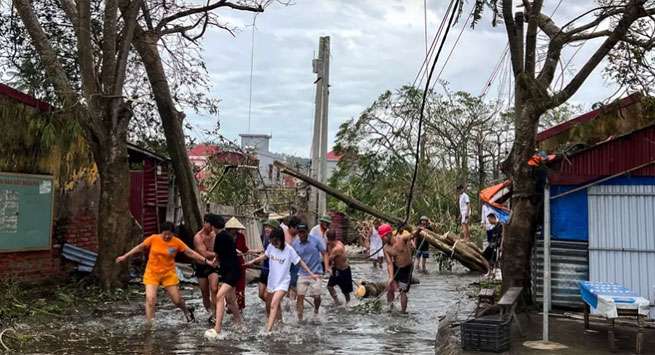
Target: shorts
422,254
230,276
203,271
294,276
343,279
165,280
308,287
465,219
263,277
403,277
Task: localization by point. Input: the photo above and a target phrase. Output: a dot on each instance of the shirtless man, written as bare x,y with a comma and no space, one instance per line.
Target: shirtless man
203,243
398,255
341,275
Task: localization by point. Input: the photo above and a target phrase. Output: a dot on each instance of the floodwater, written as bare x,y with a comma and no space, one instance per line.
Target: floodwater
337,330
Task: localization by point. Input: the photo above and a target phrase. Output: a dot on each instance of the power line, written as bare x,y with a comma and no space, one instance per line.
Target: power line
452,49
252,65
410,195
421,73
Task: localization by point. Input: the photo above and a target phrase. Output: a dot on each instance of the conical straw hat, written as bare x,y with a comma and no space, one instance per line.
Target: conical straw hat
233,223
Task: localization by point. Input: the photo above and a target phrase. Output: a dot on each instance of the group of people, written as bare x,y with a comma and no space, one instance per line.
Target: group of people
292,263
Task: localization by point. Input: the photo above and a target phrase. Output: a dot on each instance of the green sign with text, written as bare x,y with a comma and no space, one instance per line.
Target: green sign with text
26,203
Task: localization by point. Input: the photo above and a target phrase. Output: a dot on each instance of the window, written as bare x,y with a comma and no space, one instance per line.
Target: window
270,171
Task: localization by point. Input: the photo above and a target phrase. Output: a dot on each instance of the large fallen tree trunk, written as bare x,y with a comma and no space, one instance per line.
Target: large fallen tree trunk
466,253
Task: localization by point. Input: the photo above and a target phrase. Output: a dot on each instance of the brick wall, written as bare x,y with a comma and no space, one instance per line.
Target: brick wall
30,266
80,230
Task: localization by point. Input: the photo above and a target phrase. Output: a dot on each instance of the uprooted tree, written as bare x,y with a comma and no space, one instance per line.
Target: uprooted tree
619,25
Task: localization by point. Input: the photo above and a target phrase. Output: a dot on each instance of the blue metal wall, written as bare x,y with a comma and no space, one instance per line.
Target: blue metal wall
569,215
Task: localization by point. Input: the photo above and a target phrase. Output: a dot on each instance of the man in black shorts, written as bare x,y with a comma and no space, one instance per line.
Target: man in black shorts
229,271
341,274
203,244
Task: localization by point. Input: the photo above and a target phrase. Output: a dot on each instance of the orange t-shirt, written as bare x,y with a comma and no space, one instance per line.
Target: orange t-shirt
161,258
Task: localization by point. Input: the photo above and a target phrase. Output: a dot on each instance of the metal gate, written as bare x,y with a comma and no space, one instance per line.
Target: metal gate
622,236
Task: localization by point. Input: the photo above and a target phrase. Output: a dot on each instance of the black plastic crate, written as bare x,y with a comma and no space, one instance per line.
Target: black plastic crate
487,334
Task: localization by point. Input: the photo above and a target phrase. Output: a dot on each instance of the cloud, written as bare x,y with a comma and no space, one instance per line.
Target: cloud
375,46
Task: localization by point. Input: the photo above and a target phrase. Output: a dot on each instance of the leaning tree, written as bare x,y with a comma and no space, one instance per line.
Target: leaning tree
102,46
615,25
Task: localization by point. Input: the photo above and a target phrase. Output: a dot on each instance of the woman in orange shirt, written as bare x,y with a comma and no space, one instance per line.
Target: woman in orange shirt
160,269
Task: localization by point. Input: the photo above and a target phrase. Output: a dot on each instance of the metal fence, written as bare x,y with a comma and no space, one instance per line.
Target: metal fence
569,265
622,236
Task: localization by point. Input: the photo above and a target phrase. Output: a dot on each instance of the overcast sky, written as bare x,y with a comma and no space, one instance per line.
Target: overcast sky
376,45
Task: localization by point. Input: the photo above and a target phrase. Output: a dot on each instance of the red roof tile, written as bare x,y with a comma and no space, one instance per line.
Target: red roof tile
331,155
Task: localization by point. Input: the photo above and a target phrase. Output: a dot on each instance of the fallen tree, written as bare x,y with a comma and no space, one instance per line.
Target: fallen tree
466,253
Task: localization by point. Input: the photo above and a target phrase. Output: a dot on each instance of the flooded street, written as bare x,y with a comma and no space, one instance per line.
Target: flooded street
337,330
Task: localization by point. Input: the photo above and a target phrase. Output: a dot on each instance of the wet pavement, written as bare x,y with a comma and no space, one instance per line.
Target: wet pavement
337,330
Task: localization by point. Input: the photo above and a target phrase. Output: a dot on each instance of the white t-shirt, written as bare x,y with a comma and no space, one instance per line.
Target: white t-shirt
375,245
279,263
486,210
464,209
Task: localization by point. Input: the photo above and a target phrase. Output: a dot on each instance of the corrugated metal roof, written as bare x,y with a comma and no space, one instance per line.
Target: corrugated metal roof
608,158
589,116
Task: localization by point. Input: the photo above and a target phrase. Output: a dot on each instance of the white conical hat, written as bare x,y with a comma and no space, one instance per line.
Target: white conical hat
233,223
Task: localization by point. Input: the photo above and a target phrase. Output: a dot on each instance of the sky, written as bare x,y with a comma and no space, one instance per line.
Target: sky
376,45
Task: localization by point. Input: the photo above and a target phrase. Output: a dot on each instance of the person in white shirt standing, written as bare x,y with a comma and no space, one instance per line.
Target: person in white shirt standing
320,230
464,212
375,246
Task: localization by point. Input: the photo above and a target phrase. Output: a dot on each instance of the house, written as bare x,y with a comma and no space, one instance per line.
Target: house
49,190
331,163
602,200
259,145
202,154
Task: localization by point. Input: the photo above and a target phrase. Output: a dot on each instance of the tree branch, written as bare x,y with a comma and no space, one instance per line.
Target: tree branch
633,11
533,12
84,51
209,7
129,20
110,24
515,45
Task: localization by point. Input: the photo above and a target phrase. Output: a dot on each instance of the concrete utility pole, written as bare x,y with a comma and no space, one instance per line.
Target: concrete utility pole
321,66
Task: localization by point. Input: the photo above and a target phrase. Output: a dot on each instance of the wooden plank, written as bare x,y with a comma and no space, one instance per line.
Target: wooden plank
511,296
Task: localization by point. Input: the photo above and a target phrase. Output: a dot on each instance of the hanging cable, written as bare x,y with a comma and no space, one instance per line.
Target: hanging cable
252,65
443,67
422,113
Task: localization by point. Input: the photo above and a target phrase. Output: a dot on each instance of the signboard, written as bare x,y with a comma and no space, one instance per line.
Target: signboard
26,204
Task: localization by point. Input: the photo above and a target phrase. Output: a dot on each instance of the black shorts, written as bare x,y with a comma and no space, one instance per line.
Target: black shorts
263,277
203,271
343,279
230,275
403,276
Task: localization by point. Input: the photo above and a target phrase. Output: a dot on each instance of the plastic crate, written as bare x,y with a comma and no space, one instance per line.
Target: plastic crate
487,334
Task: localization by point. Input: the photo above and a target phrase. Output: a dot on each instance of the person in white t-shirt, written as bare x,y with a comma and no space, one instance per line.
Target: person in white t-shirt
375,246
280,258
464,211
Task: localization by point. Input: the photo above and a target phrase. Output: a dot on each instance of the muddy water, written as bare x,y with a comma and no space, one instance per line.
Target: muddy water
336,330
